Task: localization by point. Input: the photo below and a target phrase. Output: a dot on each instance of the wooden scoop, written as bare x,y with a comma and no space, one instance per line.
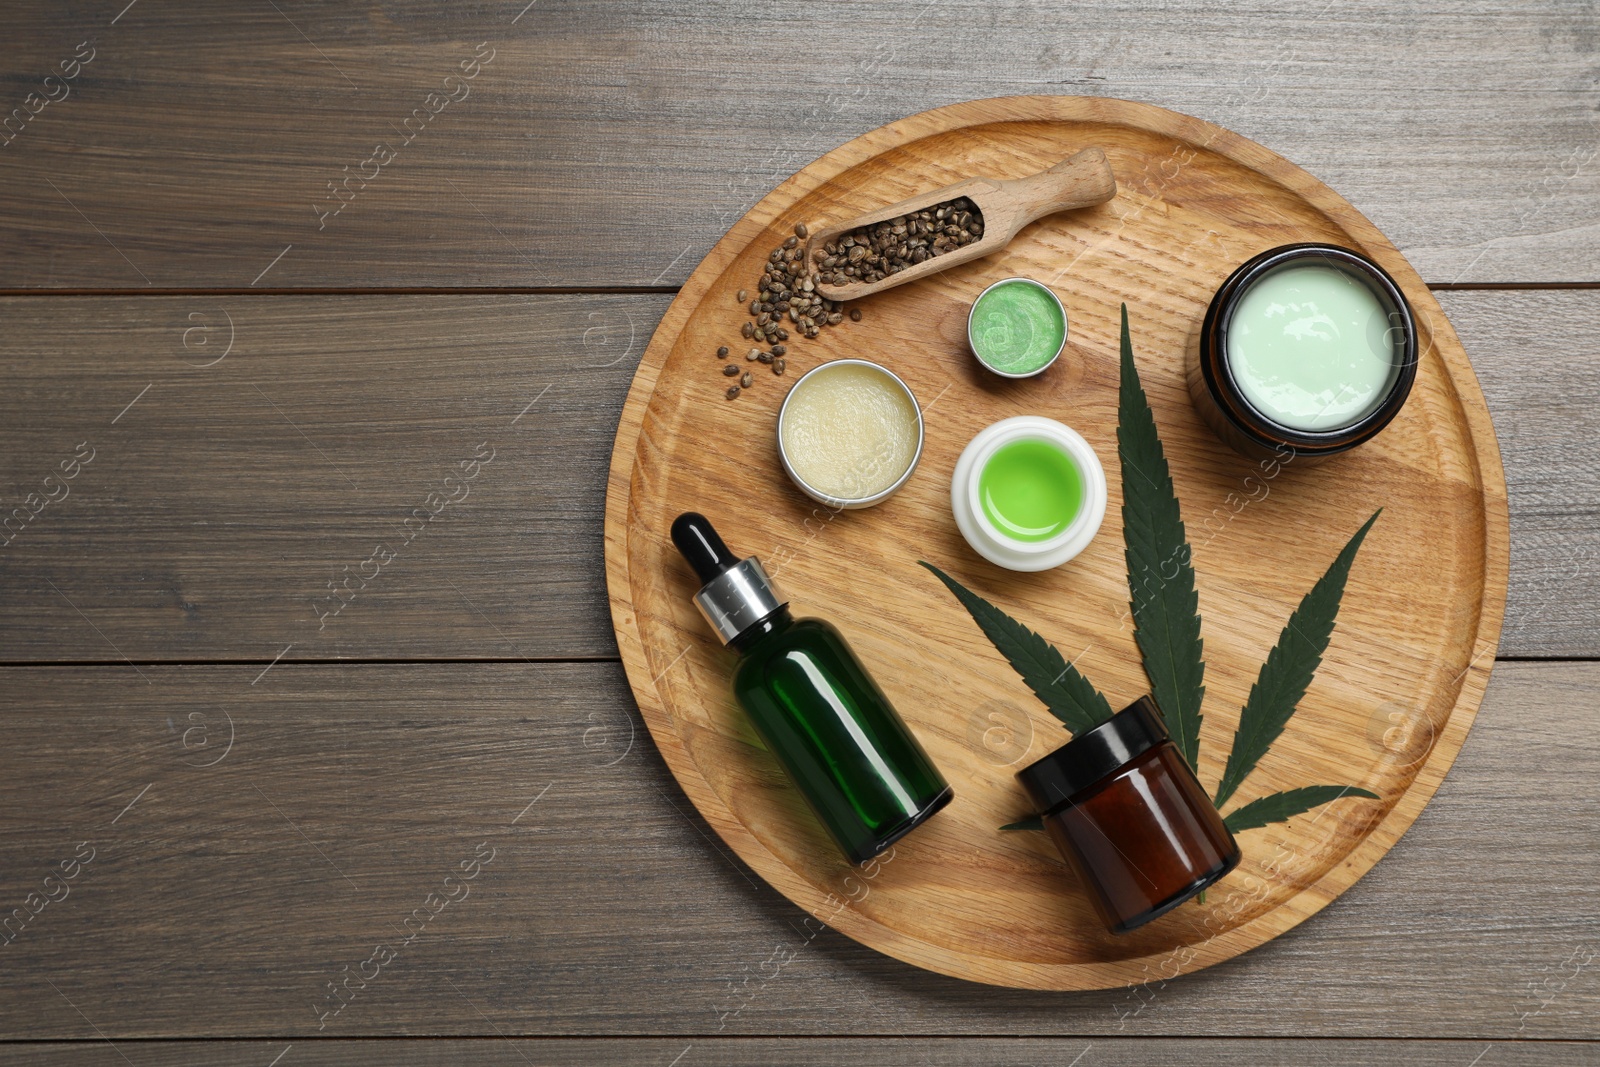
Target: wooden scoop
1083,180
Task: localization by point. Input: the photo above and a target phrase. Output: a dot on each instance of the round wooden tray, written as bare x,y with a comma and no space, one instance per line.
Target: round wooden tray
1396,692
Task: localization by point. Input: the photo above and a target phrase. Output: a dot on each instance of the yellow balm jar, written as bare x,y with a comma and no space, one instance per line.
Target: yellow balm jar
849,433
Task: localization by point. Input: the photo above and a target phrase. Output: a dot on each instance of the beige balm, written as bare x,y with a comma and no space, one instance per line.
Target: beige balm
849,433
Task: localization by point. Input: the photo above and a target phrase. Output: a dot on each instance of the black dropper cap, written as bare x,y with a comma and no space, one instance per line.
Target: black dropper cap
701,545
735,593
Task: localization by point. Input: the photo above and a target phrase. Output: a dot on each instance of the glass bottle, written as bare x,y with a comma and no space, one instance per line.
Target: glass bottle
818,710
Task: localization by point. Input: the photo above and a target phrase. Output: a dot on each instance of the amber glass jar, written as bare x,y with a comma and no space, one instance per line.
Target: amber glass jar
1129,817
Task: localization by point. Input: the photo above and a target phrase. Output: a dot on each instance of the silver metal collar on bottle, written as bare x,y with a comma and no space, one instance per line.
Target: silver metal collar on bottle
738,598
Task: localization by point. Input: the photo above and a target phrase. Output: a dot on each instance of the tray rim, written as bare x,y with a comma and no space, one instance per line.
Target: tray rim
1463,385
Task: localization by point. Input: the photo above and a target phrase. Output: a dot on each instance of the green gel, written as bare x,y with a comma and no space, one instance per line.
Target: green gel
1031,490
1310,348
1017,327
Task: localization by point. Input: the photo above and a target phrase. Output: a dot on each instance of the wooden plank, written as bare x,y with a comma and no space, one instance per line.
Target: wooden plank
230,508
816,1052
217,507
1539,364
607,147
221,899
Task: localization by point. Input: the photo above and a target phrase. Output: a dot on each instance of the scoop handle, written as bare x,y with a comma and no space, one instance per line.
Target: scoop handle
1081,180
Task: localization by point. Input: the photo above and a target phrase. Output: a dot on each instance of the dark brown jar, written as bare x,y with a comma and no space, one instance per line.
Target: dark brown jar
1221,383
1129,816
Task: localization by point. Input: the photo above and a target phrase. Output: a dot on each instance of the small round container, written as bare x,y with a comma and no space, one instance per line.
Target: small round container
1221,389
996,337
1015,443
1130,818
856,440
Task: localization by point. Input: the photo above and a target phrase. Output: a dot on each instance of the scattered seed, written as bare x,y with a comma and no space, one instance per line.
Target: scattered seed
786,291
745,380
733,391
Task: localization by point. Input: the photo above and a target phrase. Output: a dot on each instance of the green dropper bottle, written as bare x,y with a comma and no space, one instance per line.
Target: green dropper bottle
818,710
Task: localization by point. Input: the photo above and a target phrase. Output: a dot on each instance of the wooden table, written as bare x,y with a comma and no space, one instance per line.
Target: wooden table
260,717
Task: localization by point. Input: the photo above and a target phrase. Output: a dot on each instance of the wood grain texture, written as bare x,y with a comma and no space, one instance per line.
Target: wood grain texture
161,554
609,146
223,497
1418,629
215,905
1543,413
824,1052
